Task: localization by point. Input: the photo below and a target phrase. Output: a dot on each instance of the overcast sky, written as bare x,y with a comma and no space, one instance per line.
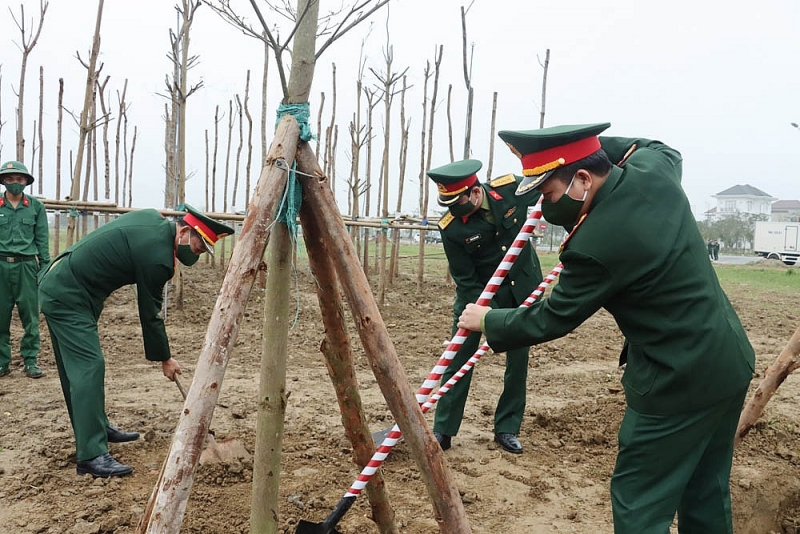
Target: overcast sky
720,82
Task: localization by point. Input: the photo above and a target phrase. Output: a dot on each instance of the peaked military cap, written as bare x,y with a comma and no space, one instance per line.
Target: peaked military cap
454,179
15,167
210,230
544,151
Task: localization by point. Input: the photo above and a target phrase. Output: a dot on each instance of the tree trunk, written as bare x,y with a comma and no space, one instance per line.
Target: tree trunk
39,134
544,87
450,122
491,137
59,124
171,494
272,385
391,377
249,142
85,126
787,361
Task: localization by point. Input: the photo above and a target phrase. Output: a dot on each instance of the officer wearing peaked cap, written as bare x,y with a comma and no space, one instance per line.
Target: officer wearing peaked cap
138,248
24,250
482,221
636,251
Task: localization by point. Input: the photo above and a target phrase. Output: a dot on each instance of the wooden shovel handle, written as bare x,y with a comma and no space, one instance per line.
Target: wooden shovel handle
180,385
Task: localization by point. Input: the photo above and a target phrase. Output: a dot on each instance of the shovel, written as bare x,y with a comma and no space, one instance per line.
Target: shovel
214,452
329,525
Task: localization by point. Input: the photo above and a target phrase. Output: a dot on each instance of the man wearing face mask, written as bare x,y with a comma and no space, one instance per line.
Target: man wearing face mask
24,250
481,224
138,248
634,249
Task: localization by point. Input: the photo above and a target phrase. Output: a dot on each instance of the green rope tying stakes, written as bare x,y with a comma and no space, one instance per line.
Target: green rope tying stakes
290,204
293,196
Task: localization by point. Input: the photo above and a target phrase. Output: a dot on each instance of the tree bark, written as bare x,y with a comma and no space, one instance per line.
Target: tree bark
491,137
787,361
339,360
272,385
391,377
172,490
546,66
84,126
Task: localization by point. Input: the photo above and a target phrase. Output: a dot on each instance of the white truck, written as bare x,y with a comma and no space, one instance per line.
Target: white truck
777,241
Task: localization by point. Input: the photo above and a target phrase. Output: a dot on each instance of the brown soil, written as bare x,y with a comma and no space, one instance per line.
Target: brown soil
559,484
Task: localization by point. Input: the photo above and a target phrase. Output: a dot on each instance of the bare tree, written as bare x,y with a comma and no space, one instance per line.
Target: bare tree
130,167
84,125
467,79
120,115
39,131
405,126
491,137
545,66
179,91
57,218
227,158
101,89
450,122
249,142
26,45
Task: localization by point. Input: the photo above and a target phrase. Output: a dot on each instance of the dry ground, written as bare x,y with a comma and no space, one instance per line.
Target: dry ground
559,484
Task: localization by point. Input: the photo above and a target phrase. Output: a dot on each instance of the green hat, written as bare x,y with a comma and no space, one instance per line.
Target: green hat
15,167
543,151
210,230
454,179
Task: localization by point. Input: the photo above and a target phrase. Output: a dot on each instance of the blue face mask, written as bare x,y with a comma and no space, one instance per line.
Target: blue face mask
565,210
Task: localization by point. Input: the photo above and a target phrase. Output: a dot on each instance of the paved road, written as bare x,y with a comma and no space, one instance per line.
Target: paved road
737,260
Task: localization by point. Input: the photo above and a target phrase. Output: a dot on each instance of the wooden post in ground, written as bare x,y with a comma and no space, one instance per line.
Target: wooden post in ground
391,377
339,360
171,494
787,361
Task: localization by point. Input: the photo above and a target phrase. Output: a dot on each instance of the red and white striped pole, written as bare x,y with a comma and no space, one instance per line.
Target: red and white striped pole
395,434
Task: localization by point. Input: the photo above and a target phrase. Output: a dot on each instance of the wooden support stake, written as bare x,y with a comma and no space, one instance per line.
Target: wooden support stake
391,377
339,360
787,361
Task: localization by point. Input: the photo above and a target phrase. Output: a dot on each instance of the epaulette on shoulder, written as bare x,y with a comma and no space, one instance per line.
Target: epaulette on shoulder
444,221
503,180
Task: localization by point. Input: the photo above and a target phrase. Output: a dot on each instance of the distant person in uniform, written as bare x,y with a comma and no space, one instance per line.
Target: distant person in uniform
481,224
24,250
716,250
710,247
634,249
139,248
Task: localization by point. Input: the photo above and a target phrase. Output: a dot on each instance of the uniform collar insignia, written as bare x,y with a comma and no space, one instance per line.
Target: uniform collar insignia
495,195
578,225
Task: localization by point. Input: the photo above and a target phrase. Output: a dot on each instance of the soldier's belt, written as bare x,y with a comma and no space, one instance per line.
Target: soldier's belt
14,258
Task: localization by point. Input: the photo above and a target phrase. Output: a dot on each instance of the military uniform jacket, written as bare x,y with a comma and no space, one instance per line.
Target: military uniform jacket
639,254
475,247
137,248
23,230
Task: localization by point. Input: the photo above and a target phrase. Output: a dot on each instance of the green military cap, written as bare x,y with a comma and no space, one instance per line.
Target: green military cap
544,150
15,167
210,230
454,179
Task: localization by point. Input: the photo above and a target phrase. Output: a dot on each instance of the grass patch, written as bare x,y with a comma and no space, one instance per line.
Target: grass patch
777,278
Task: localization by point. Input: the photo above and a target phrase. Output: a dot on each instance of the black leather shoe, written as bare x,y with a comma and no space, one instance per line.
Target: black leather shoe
115,435
444,441
103,466
509,442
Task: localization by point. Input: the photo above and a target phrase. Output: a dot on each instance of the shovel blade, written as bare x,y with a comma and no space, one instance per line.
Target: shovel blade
306,527
381,435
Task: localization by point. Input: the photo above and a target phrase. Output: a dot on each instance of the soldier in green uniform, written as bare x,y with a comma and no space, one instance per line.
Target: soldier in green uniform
24,250
138,248
480,226
635,250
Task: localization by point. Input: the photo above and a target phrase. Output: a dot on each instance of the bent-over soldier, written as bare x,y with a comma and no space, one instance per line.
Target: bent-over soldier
482,221
138,248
